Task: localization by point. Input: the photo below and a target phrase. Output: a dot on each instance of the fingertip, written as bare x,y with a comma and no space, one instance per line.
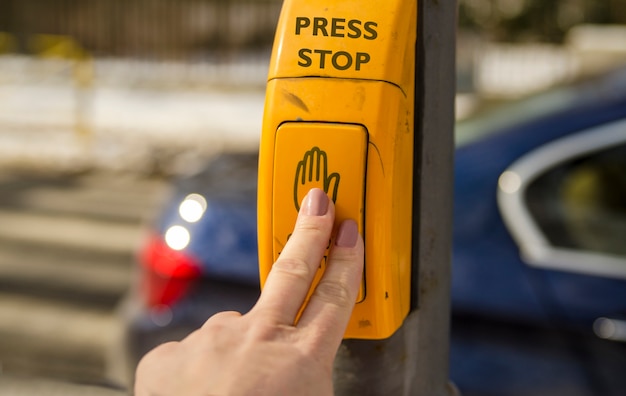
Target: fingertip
315,203
347,234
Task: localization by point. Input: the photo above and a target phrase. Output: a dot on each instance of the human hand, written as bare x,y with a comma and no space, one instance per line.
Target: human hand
263,352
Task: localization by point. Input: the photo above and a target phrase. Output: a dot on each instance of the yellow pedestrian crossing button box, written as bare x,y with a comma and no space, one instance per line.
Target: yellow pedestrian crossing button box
339,116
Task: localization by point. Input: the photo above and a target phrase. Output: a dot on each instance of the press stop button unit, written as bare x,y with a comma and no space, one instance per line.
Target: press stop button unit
339,116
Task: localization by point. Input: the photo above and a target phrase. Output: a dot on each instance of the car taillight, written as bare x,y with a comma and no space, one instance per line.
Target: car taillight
167,274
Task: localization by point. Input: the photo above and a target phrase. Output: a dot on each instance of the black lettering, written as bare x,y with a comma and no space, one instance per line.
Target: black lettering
323,54
337,27
320,24
355,30
301,22
336,64
369,27
361,58
304,55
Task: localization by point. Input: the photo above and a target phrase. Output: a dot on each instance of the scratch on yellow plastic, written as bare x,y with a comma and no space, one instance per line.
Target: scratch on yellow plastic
342,68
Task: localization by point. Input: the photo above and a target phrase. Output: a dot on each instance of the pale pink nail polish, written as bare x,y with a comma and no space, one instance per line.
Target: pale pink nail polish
347,234
315,203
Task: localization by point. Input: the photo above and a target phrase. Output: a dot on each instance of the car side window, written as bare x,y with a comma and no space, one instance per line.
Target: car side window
581,203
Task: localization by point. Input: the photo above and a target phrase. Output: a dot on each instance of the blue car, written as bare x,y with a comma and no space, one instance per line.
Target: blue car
539,260
552,188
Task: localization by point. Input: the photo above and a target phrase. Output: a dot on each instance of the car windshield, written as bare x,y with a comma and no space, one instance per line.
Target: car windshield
500,117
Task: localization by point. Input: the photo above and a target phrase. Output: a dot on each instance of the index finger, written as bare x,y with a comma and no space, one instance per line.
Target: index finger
291,275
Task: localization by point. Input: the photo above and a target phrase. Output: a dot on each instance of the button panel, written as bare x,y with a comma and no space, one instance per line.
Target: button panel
329,156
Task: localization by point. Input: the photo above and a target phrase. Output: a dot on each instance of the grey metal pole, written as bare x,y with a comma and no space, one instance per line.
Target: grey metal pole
414,361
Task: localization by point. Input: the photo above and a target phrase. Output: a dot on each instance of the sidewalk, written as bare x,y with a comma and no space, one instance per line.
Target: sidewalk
17,386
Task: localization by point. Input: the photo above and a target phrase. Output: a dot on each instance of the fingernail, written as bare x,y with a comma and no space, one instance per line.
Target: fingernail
315,203
347,234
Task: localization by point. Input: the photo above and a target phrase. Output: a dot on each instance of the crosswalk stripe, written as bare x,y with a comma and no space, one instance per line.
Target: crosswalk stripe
68,232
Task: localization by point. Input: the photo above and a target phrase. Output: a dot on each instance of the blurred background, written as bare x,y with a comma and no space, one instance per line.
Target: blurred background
104,102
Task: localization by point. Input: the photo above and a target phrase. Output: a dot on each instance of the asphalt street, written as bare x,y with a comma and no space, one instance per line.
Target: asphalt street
67,244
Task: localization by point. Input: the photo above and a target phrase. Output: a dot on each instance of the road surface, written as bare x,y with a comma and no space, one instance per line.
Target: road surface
66,257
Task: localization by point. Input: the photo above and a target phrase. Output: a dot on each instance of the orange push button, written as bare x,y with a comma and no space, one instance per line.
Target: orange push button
328,156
